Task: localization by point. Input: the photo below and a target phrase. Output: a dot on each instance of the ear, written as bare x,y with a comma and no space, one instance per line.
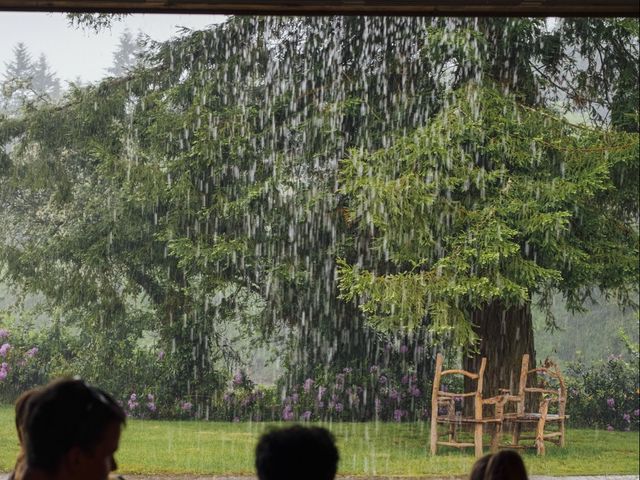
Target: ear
73,460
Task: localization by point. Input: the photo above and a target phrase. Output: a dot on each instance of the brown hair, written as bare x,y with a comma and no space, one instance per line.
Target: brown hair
64,414
506,465
479,468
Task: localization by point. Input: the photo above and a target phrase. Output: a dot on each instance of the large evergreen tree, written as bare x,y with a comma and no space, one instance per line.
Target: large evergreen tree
206,182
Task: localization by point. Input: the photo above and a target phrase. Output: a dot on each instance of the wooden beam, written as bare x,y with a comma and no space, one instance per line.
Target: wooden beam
347,7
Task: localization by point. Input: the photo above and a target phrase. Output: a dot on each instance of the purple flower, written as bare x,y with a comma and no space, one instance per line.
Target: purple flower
393,394
295,397
347,370
4,371
404,349
287,413
186,406
339,407
4,333
4,349
398,414
636,412
161,355
321,391
32,352
374,369
627,418
306,416
151,406
150,397
238,378
308,384
382,380
609,428
133,402
415,392
611,402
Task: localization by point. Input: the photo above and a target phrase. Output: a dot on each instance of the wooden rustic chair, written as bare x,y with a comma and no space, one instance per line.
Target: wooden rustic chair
443,412
550,393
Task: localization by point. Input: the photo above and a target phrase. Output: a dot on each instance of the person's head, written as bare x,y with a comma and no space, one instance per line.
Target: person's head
506,465
72,430
479,468
297,452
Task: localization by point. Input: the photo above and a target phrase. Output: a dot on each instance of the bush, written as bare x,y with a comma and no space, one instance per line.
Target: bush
604,394
393,391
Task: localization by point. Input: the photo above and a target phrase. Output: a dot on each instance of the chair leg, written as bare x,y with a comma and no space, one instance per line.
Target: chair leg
452,432
515,436
477,439
434,434
496,438
540,449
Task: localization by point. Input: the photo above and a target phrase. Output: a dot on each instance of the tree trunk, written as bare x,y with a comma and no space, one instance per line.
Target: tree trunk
505,335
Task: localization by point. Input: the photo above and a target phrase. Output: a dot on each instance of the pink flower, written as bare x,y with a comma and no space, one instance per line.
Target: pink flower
4,349
186,406
611,402
287,413
306,416
238,378
321,391
32,352
308,383
4,370
4,333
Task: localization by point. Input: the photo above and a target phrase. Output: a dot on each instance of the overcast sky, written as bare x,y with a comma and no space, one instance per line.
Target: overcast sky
82,53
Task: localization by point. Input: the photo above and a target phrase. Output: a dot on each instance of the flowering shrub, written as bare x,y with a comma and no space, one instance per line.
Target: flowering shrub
20,363
604,394
378,393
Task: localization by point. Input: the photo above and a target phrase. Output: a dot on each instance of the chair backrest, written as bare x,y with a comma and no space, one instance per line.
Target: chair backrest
552,371
437,394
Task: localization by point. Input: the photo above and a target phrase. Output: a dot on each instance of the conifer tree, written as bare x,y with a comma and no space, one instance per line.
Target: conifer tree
17,78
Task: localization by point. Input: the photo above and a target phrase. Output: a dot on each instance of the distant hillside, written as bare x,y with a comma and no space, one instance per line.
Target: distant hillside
592,335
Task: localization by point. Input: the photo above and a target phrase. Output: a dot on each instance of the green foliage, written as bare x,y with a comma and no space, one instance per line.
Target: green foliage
493,201
604,394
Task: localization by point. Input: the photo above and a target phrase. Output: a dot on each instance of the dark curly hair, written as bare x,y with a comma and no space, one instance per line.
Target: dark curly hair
297,453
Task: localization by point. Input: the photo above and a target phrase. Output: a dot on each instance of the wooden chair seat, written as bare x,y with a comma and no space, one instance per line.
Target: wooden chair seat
443,419
534,417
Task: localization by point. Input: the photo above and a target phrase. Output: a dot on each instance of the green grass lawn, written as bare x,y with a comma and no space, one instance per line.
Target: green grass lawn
365,449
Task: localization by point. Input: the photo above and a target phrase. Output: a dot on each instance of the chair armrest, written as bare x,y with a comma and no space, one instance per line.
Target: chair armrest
497,400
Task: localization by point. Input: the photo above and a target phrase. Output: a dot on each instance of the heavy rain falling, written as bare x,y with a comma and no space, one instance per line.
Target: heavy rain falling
277,220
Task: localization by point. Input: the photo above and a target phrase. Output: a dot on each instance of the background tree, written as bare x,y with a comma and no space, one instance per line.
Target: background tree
125,54
44,82
17,78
